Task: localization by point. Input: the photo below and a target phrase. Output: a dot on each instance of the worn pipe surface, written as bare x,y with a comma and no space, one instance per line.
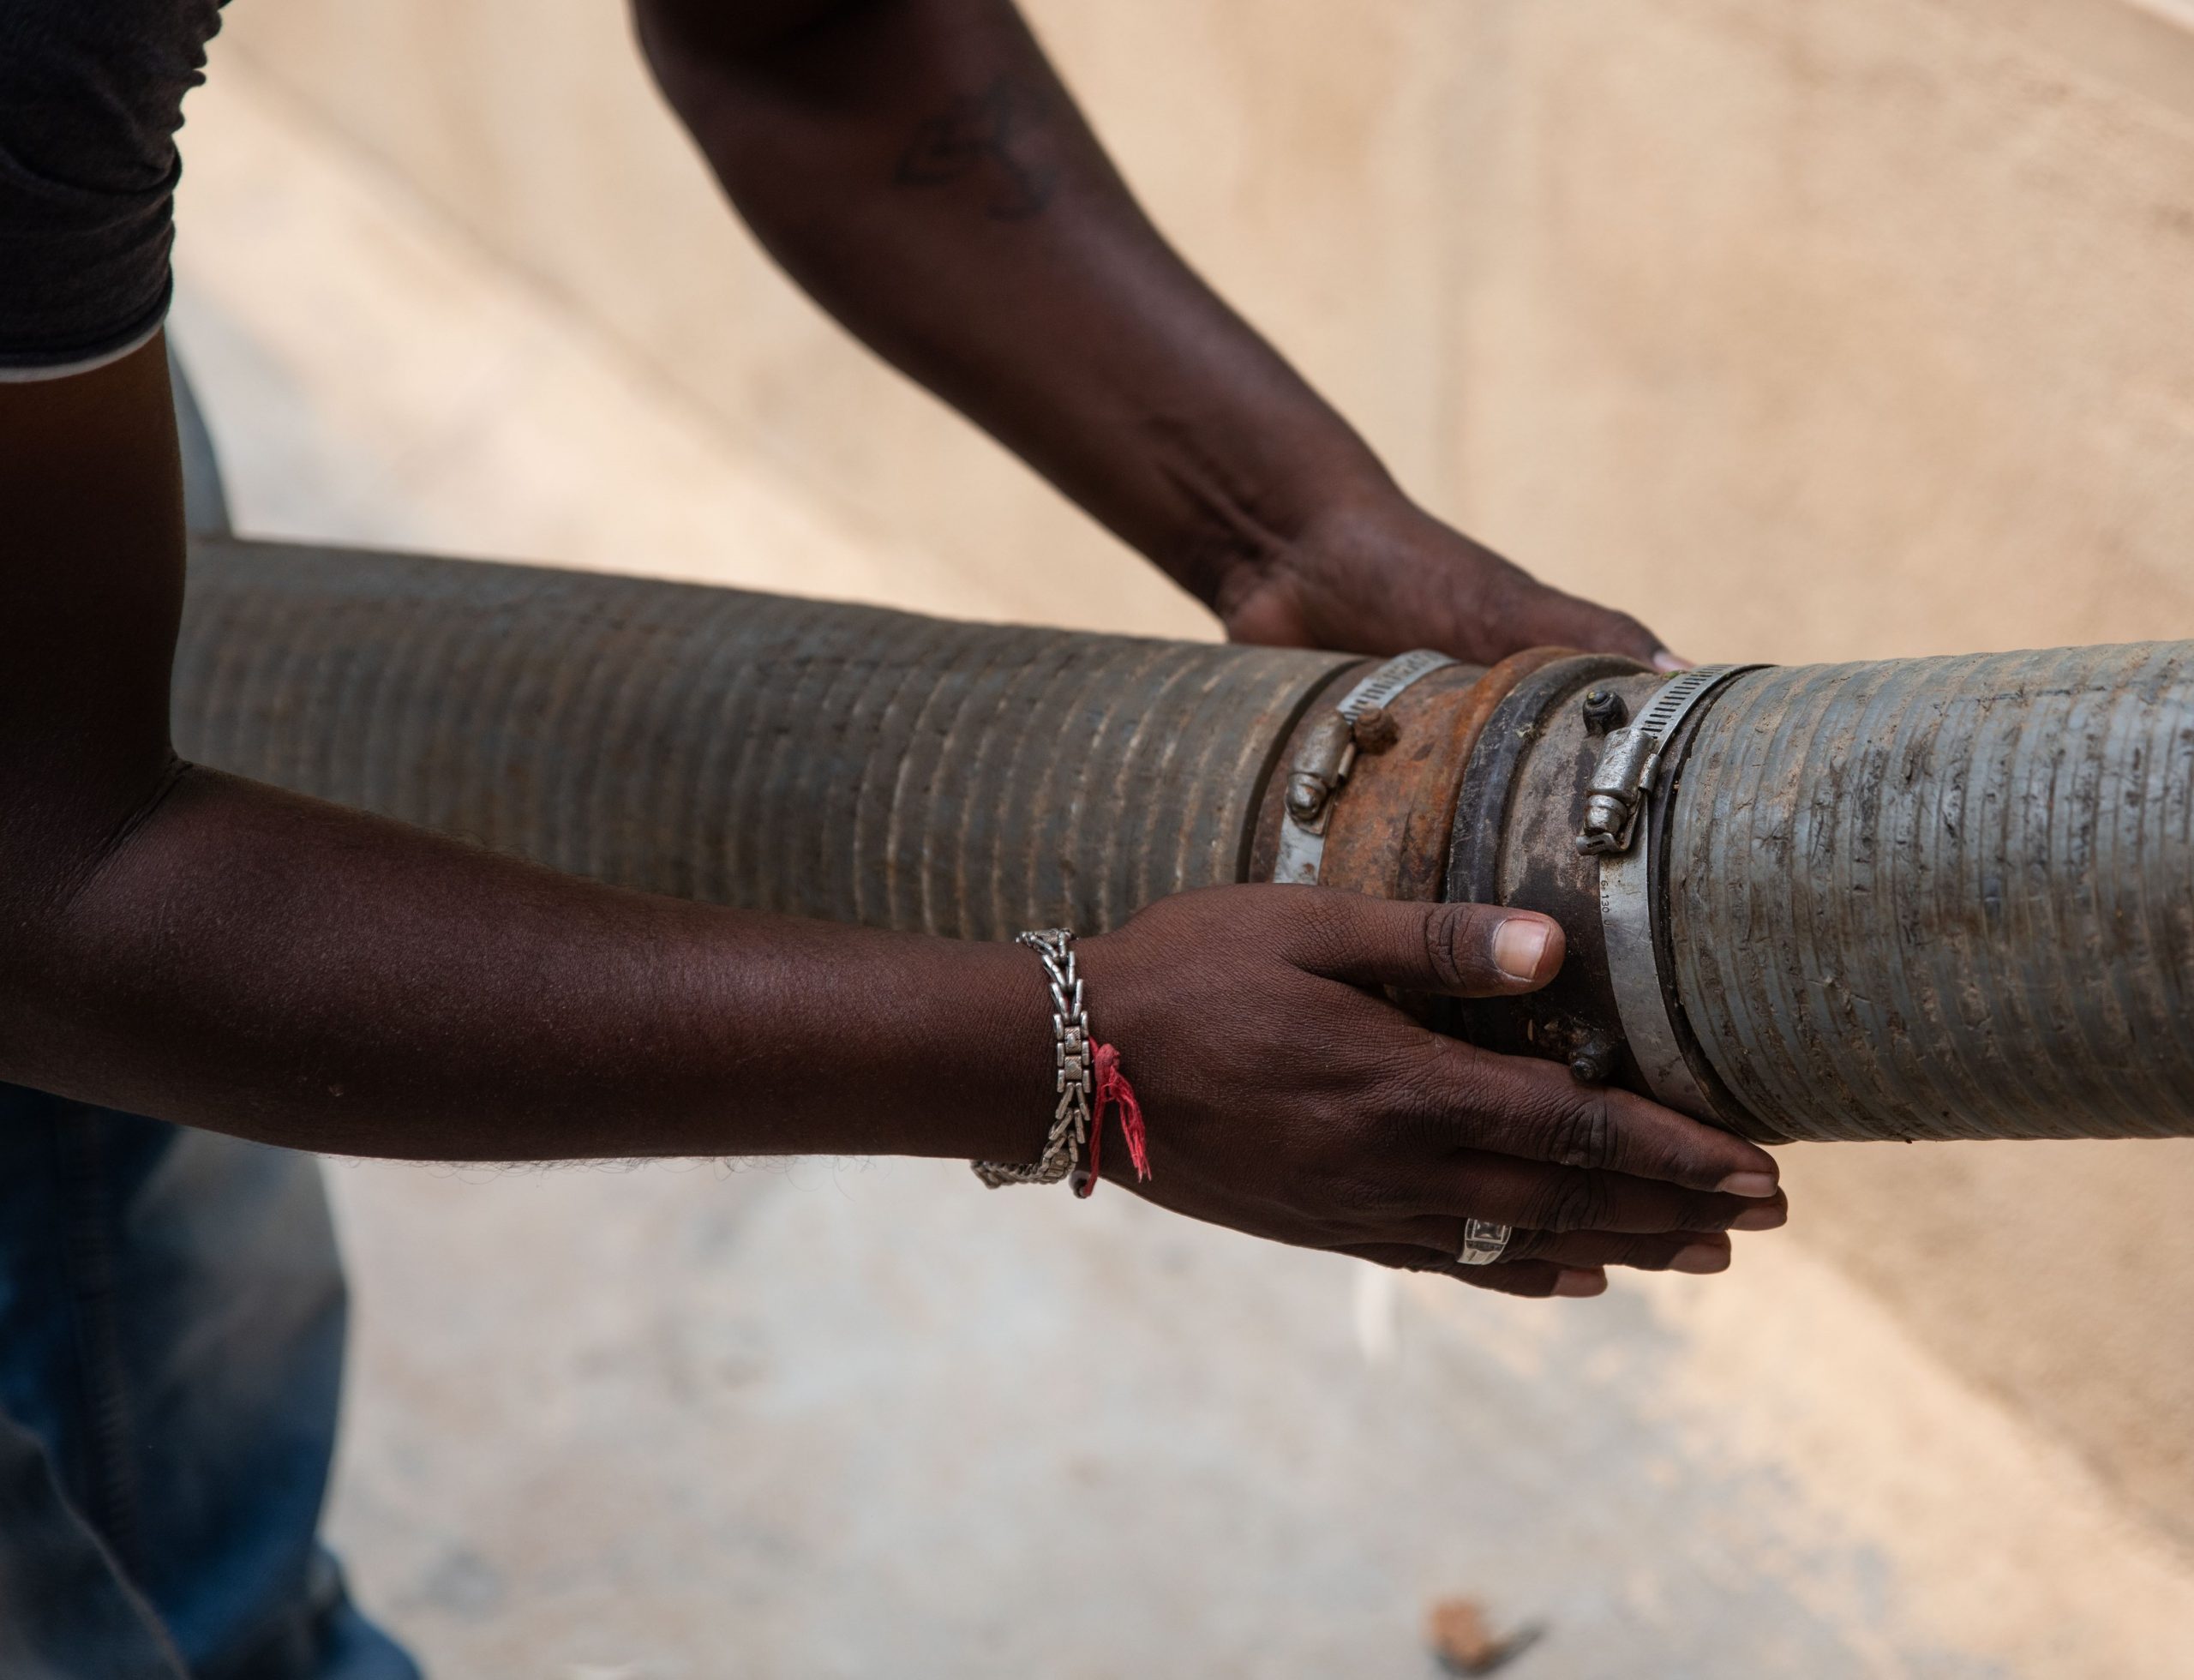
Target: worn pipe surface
1944,897
755,750
1935,898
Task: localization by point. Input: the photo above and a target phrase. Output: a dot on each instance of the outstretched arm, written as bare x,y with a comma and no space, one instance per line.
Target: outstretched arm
920,169
212,950
216,951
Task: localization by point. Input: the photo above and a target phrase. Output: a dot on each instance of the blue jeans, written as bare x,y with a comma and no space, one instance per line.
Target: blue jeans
172,1319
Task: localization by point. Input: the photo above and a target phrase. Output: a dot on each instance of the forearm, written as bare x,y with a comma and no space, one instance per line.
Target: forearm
919,167
221,953
269,965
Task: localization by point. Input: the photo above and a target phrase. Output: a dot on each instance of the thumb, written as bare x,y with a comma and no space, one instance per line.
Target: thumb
1465,950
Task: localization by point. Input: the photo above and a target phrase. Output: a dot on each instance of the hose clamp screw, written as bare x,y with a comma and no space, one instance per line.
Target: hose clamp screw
1374,729
1306,797
1592,1062
1326,752
1604,710
1630,757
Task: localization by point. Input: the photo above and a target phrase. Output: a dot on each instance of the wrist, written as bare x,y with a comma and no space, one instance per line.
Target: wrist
1307,591
999,1070
858,1041
1240,498
1090,1085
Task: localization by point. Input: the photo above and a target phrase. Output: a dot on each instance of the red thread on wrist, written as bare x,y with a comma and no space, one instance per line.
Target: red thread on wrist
1114,1091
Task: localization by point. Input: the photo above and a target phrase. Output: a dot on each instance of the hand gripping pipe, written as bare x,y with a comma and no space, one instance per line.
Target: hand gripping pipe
1928,898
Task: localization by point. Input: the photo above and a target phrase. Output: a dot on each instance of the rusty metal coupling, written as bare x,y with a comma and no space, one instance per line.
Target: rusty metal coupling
1928,898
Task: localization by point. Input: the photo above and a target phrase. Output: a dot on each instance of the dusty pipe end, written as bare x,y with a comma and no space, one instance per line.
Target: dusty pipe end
1944,897
1920,898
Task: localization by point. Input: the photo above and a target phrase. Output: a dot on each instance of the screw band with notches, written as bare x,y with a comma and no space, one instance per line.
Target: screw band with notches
1617,797
1322,763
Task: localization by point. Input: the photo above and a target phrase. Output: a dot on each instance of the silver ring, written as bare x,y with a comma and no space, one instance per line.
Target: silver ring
1483,1242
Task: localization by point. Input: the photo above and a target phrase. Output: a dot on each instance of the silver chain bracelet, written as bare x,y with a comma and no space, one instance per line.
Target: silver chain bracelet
1054,946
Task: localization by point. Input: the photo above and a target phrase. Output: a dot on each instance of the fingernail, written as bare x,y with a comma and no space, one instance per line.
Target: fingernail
1760,1219
1700,1258
1578,1285
1665,661
1753,1185
1519,947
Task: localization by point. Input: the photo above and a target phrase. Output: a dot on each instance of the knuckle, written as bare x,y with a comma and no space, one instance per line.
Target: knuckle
1711,1213
1418,1095
1583,1134
1447,935
1525,1244
1355,1196
1648,1254
1479,1095
1576,1202
1381,1199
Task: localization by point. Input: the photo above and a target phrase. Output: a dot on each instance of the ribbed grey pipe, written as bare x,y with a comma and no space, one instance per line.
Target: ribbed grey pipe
1935,898
1946,898
756,750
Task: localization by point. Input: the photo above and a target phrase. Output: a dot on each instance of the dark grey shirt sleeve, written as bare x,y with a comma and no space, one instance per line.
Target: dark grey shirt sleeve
90,96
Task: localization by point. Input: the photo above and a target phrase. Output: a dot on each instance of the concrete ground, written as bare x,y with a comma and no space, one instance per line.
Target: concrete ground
864,1418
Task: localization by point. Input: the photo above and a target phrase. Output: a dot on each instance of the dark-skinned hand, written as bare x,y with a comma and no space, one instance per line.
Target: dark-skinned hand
1288,1098
1383,576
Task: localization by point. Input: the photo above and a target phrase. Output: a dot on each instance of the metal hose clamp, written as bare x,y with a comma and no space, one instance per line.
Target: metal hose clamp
1322,763
1617,802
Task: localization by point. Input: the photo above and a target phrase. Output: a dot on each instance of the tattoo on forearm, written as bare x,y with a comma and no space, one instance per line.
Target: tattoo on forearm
985,135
